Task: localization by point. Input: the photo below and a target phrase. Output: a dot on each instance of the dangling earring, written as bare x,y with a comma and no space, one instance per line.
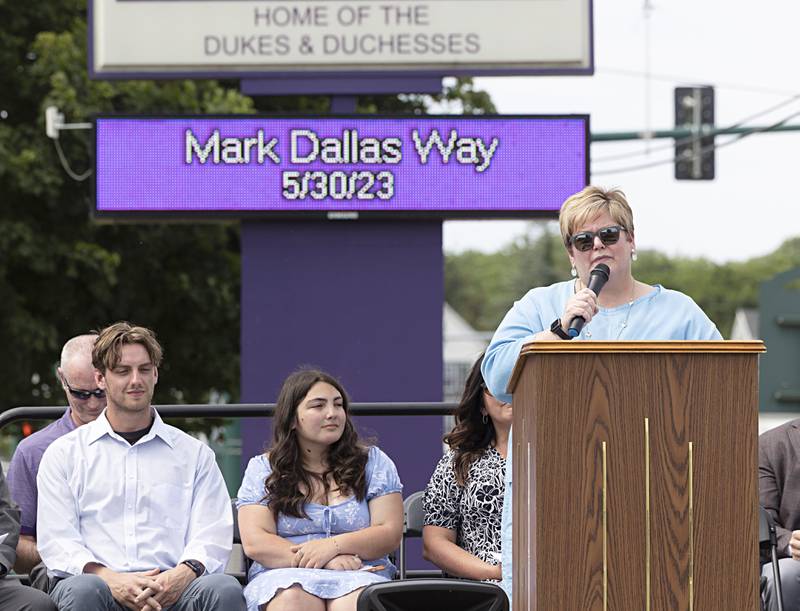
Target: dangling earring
634,256
485,419
574,272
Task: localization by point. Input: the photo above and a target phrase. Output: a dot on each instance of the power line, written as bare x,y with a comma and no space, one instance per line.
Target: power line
671,78
65,164
691,139
703,150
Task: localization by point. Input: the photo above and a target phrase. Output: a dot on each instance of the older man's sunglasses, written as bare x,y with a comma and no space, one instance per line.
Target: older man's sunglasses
584,240
83,395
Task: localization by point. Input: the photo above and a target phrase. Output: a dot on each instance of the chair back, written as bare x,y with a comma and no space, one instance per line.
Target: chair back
768,544
413,521
764,522
432,595
414,514
238,564
237,538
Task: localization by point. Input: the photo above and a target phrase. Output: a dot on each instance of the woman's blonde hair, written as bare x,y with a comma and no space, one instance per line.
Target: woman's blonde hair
592,201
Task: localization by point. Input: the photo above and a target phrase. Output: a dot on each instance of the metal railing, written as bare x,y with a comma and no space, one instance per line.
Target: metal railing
238,410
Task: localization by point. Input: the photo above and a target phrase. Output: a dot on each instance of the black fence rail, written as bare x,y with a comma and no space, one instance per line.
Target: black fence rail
238,410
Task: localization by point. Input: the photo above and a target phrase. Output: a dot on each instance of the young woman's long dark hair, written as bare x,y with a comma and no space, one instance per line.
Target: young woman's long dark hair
470,436
347,458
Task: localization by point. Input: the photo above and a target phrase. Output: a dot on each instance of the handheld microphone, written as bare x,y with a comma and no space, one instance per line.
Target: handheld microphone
597,280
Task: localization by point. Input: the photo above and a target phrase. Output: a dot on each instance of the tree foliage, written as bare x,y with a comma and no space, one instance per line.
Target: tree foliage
482,287
61,273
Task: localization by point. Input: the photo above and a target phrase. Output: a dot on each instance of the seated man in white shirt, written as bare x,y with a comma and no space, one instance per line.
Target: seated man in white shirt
134,513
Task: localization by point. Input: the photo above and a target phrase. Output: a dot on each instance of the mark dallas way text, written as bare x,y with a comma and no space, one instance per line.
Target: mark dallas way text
306,147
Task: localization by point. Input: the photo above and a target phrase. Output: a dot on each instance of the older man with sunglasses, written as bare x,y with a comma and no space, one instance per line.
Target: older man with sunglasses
86,401
597,228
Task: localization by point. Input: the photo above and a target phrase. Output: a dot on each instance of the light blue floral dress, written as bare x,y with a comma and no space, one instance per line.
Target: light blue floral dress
323,521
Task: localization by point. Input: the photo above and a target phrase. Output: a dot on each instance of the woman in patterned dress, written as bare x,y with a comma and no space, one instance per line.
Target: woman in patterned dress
464,497
319,512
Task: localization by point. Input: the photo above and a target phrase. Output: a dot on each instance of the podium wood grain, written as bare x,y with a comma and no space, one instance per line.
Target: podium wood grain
688,540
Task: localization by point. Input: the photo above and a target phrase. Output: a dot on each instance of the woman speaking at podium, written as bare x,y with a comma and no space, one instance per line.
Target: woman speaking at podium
597,229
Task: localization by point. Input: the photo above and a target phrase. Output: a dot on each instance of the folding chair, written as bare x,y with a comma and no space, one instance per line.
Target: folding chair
432,595
238,564
413,521
768,538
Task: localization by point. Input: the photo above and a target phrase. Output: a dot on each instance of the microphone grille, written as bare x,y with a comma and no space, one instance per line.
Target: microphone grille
602,269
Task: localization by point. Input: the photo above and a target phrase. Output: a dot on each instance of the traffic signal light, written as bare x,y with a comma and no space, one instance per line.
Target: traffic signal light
694,155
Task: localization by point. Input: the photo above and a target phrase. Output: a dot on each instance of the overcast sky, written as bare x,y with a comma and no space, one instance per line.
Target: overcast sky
750,53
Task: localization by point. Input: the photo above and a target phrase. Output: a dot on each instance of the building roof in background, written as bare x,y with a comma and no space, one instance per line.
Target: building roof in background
462,343
745,324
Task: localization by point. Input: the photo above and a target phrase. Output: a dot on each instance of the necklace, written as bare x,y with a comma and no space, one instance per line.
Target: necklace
624,324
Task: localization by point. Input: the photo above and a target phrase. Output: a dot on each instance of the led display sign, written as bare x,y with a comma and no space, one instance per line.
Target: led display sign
339,167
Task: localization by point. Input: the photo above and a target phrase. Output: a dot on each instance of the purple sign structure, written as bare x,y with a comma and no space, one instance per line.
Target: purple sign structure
338,167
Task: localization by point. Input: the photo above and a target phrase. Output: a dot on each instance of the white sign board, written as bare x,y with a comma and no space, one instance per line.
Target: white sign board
251,37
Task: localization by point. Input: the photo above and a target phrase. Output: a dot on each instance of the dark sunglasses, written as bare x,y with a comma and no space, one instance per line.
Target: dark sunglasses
584,240
84,395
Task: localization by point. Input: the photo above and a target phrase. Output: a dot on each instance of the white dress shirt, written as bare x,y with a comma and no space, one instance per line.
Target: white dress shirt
131,508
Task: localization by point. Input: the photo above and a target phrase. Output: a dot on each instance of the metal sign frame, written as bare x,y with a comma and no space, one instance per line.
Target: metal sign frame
356,75
335,214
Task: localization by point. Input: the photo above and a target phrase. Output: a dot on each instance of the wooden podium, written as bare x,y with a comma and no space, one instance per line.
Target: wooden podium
635,476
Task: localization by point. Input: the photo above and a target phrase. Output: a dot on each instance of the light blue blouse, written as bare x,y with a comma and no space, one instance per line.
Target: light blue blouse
662,314
323,521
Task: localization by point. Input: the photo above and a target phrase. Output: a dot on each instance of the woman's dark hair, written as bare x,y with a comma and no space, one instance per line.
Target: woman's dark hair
347,458
470,436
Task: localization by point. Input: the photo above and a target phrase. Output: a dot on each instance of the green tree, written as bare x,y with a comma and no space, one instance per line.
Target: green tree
482,287
61,273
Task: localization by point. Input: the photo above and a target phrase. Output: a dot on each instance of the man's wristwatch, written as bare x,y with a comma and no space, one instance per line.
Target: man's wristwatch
196,566
557,329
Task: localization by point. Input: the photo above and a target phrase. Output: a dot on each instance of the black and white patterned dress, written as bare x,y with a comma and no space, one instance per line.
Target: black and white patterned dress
473,511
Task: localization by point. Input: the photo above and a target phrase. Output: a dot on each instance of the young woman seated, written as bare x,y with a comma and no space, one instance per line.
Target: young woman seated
464,497
319,511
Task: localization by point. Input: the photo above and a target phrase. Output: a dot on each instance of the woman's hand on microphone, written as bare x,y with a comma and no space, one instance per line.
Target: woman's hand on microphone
583,303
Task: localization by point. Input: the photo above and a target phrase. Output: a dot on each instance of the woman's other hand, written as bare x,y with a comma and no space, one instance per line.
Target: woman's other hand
344,562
